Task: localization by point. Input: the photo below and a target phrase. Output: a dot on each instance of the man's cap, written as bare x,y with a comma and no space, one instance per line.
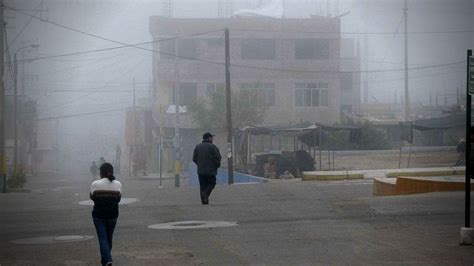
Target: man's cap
207,135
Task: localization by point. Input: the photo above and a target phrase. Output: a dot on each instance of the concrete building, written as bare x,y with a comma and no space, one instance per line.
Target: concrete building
294,63
295,67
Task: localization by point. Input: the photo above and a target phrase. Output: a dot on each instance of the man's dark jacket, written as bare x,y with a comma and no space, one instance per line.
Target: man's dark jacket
207,158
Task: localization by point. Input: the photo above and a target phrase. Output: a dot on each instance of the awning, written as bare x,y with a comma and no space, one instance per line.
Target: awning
279,130
446,122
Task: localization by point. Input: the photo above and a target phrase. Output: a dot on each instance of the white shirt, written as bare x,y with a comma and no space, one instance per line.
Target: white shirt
105,184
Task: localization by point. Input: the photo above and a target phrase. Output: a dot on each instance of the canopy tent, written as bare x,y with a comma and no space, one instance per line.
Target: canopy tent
311,136
445,122
440,123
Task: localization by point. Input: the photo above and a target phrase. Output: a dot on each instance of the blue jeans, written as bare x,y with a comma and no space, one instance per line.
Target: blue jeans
105,230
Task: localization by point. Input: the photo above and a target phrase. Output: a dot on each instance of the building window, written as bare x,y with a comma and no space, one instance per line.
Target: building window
346,81
258,49
312,49
187,93
311,94
214,87
186,48
167,50
260,93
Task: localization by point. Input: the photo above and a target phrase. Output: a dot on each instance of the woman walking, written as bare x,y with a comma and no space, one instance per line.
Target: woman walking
106,194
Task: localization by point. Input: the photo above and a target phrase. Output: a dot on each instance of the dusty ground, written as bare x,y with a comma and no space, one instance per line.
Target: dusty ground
389,160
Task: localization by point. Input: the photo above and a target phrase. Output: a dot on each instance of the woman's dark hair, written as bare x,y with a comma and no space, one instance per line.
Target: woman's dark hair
107,170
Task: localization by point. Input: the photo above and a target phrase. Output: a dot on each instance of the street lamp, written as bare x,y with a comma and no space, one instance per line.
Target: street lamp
15,104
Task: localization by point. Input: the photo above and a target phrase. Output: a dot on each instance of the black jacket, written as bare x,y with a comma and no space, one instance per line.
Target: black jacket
106,204
207,158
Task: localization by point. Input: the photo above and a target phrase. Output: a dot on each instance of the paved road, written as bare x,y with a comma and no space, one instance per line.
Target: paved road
279,223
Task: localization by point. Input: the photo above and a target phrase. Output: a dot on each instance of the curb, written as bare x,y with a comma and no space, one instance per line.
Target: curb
309,177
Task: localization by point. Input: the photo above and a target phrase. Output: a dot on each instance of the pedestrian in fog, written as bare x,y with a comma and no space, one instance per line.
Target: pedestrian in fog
102,161
208,159
118,155
94,169
461,150
106,194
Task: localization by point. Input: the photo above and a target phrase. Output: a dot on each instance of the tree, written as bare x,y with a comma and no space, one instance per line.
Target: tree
370,138
210,113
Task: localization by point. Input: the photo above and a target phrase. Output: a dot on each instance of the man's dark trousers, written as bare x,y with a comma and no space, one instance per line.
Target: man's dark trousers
206,184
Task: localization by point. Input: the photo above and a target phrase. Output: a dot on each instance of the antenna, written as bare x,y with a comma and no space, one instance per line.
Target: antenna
225,8
167,9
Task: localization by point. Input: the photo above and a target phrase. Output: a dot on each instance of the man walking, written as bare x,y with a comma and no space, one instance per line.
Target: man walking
208,159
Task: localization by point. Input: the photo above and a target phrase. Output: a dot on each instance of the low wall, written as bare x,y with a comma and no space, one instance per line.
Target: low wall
407,186
222,177
404,150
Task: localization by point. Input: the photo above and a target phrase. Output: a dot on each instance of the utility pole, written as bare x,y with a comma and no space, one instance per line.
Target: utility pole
177,157
135,131
407,95
467,233
57,146
167,8
15,113
20,109
230,161
365,59
15,104
458,96
2,105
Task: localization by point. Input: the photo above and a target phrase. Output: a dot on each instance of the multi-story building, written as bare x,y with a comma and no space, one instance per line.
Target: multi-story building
293,65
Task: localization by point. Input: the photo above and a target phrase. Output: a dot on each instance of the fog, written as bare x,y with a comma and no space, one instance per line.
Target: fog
82,84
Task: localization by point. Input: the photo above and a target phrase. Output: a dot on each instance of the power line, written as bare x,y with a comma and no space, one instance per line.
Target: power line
124,45
87,94
214,62
101,91
10,67
131,46
338,72
391,44
82,114
352,33
89,64
137,46
37,9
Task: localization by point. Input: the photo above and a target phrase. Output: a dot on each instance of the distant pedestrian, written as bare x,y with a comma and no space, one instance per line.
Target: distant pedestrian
94,169
461,149
208,159
106,194
118,155
102,161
